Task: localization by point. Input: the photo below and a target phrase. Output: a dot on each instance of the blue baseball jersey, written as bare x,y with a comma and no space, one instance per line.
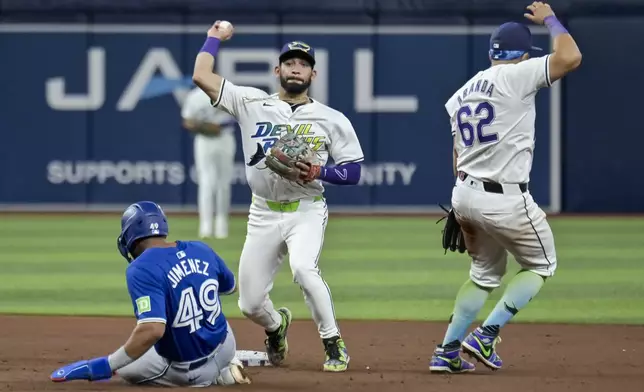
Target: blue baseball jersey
180,286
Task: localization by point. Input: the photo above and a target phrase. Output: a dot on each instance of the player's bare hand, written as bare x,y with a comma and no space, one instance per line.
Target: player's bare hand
538,12
308,172
222,30
304,168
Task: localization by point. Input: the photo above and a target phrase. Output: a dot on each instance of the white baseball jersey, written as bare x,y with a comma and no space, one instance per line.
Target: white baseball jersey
493,117
197,107
263,118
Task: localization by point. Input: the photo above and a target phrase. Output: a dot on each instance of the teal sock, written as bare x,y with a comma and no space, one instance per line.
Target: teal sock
469,301
521,289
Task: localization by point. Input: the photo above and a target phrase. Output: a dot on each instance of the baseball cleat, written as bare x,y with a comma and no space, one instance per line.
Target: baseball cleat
449,361
337,356
276,342
483,348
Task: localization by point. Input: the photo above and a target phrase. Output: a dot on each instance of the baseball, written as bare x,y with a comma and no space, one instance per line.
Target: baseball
225,25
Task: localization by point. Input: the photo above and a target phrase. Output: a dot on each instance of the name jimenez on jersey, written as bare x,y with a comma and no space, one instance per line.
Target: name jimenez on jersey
182,284
180,270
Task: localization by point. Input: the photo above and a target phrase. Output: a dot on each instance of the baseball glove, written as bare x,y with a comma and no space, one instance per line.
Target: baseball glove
286,152
453,239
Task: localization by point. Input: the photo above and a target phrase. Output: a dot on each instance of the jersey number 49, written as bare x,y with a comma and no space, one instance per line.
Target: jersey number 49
484,111
191,308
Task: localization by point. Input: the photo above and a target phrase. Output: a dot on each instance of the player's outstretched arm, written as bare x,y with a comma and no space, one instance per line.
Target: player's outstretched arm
144,336
203,75
566,56
148,300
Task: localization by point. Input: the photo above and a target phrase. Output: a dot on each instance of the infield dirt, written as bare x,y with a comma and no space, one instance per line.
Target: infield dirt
537,357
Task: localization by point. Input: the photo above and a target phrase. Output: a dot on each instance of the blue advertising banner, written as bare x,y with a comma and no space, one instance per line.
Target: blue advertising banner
99,121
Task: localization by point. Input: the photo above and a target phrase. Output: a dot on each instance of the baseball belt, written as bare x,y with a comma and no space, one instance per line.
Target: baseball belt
286,206
493,187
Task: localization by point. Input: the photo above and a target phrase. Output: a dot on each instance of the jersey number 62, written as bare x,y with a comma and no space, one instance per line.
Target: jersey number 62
484,112
191,308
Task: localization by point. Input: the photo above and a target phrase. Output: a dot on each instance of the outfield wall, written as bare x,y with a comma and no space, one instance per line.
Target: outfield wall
78,127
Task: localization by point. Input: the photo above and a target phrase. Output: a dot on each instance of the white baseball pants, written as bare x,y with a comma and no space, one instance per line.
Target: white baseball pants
154,370
214,162
494,224
270,237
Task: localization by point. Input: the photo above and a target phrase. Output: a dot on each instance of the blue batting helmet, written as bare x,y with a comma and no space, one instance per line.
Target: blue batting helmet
140,220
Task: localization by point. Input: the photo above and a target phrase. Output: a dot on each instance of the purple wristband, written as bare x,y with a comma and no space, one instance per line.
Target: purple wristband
347,174
554,26
211,46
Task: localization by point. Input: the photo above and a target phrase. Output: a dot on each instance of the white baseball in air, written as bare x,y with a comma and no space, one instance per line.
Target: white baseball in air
225,25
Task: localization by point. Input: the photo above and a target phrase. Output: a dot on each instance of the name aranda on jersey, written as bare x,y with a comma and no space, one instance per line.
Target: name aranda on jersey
187,267
269,133
480,86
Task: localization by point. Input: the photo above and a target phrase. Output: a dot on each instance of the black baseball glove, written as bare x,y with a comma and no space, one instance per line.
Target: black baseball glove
452,234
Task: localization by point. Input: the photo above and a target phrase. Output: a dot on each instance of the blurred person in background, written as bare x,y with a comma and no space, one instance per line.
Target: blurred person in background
214,153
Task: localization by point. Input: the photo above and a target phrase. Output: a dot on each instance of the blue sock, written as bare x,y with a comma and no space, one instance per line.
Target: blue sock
521,289
469,301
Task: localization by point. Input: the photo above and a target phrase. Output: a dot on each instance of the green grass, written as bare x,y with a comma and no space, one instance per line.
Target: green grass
377,268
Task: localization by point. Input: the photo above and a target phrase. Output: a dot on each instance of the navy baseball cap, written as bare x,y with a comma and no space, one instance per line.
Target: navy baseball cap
510,41
298,49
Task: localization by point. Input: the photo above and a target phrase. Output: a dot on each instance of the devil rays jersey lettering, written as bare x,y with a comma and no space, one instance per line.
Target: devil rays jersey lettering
263,118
